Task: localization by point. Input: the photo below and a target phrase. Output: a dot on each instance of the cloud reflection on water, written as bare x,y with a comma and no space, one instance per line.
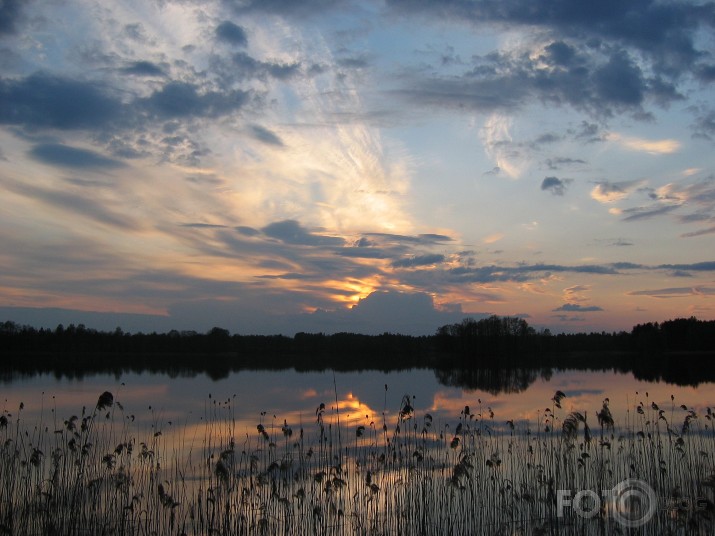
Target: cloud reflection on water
273,398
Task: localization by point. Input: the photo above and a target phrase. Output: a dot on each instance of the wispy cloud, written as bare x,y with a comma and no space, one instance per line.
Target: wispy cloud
675,292
610,192
668,146
575,307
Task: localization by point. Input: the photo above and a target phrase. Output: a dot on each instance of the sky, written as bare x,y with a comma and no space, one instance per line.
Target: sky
271,166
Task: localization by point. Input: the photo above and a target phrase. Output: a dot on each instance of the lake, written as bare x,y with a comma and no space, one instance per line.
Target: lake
286,395
286,452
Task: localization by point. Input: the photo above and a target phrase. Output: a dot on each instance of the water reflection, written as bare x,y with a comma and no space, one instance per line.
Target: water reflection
492,380
371,398
200,434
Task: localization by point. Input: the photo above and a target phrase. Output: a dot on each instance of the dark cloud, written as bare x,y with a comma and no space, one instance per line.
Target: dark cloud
418,239
72,157
290,276
708,266
628,266
249,67
231,33
561,54
607,189
43,100
604,60
522,272
620,82
203,226
135,32
546,138
700,232
430,237
575,307
248,231
567,318
642,213
621,242
676,292
182,99
559,162
10,11
662,31
266,136
358,62
363,253
144,68
291,8
705,125
292,232
589,133
601,86
76,202
555,185
418,260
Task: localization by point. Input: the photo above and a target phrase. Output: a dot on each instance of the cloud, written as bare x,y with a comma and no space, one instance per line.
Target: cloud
412,313
667,146
415,239
359,62
44,100
493,238
418,260
701,232
288,8
143,68
676,292
292,232
707,266
555,185
575,307
602,60
266,136
705,125
665,33
72,157
558,162
609,192
642,213
231,33
575,293
74,202
183,100
567,318
504,82
620,81
247,231
10,11
247,67
522,272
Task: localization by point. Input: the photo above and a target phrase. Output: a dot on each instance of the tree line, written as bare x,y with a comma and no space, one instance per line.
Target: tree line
490,343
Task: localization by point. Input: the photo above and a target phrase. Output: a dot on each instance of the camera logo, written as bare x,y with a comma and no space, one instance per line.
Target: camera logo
631,502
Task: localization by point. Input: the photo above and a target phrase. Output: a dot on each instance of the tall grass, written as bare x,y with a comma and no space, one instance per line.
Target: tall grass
97,473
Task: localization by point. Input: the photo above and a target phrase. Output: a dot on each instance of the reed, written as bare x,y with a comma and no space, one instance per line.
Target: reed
97,472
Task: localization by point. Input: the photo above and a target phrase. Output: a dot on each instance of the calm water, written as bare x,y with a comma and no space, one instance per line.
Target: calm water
158,401
197,449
